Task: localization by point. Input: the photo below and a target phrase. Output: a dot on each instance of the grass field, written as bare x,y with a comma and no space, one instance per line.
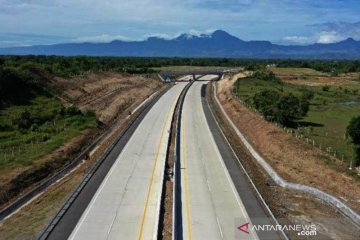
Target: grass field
329,114
297,71
24,138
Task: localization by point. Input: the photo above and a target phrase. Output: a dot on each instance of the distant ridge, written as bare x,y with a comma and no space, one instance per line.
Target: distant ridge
216,44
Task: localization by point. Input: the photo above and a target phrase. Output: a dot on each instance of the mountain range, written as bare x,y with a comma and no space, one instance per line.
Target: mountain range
216,44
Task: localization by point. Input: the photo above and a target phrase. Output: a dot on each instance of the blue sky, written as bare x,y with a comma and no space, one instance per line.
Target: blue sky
29,22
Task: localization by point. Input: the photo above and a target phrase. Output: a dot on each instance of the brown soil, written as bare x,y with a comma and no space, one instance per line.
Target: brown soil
350,78
107,93
288,206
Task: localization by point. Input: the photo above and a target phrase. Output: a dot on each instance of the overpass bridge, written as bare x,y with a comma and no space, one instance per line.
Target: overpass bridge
173,75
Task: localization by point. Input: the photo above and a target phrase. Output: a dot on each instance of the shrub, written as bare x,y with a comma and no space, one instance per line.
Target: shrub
308,94
266,75
23,120
72,111
326,88
353,131
281,108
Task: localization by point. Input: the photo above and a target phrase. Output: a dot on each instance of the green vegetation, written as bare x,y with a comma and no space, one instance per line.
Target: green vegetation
296,71
353,130
35,129
69,66
284,109
31,115
33,122
330,109
277,106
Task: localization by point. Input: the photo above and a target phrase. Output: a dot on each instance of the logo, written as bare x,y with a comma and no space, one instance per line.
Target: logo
301,230
244,228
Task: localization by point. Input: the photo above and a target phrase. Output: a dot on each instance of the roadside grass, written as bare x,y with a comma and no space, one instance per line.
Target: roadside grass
329,114
51,126
297,71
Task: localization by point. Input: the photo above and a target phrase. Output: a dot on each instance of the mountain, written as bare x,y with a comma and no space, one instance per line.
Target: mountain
217,44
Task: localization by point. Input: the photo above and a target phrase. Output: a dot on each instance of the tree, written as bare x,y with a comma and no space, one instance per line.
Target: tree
353,131
265,101
289,109
281,108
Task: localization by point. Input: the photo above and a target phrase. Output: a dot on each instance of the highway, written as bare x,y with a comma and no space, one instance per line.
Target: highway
210,202
126,205
122,199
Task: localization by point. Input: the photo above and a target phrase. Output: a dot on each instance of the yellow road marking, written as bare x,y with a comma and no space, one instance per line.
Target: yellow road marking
183,156
152,175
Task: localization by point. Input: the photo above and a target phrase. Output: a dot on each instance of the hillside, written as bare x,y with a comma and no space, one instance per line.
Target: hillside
46,119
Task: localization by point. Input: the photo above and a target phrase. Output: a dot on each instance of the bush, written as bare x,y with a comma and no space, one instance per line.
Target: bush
281,108
72,111
23,121
353,131
90,114
266,75
308,94
326,88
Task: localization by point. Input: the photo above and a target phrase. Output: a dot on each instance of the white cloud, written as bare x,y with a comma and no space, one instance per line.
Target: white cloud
159,35
101,38
329,37
328,33
105,20
199,33
297,39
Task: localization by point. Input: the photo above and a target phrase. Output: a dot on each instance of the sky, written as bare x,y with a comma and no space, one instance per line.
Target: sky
33,22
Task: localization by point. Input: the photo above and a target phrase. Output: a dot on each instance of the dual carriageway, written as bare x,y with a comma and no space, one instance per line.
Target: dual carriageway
214,197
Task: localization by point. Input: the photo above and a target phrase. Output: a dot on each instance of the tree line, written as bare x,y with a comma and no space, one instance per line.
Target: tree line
67,66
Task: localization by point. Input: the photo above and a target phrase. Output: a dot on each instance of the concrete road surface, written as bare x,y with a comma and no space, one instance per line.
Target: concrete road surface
211,205
126,205
208,77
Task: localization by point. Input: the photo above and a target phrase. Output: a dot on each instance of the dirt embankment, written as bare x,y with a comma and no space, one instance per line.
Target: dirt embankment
296,162
107,93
